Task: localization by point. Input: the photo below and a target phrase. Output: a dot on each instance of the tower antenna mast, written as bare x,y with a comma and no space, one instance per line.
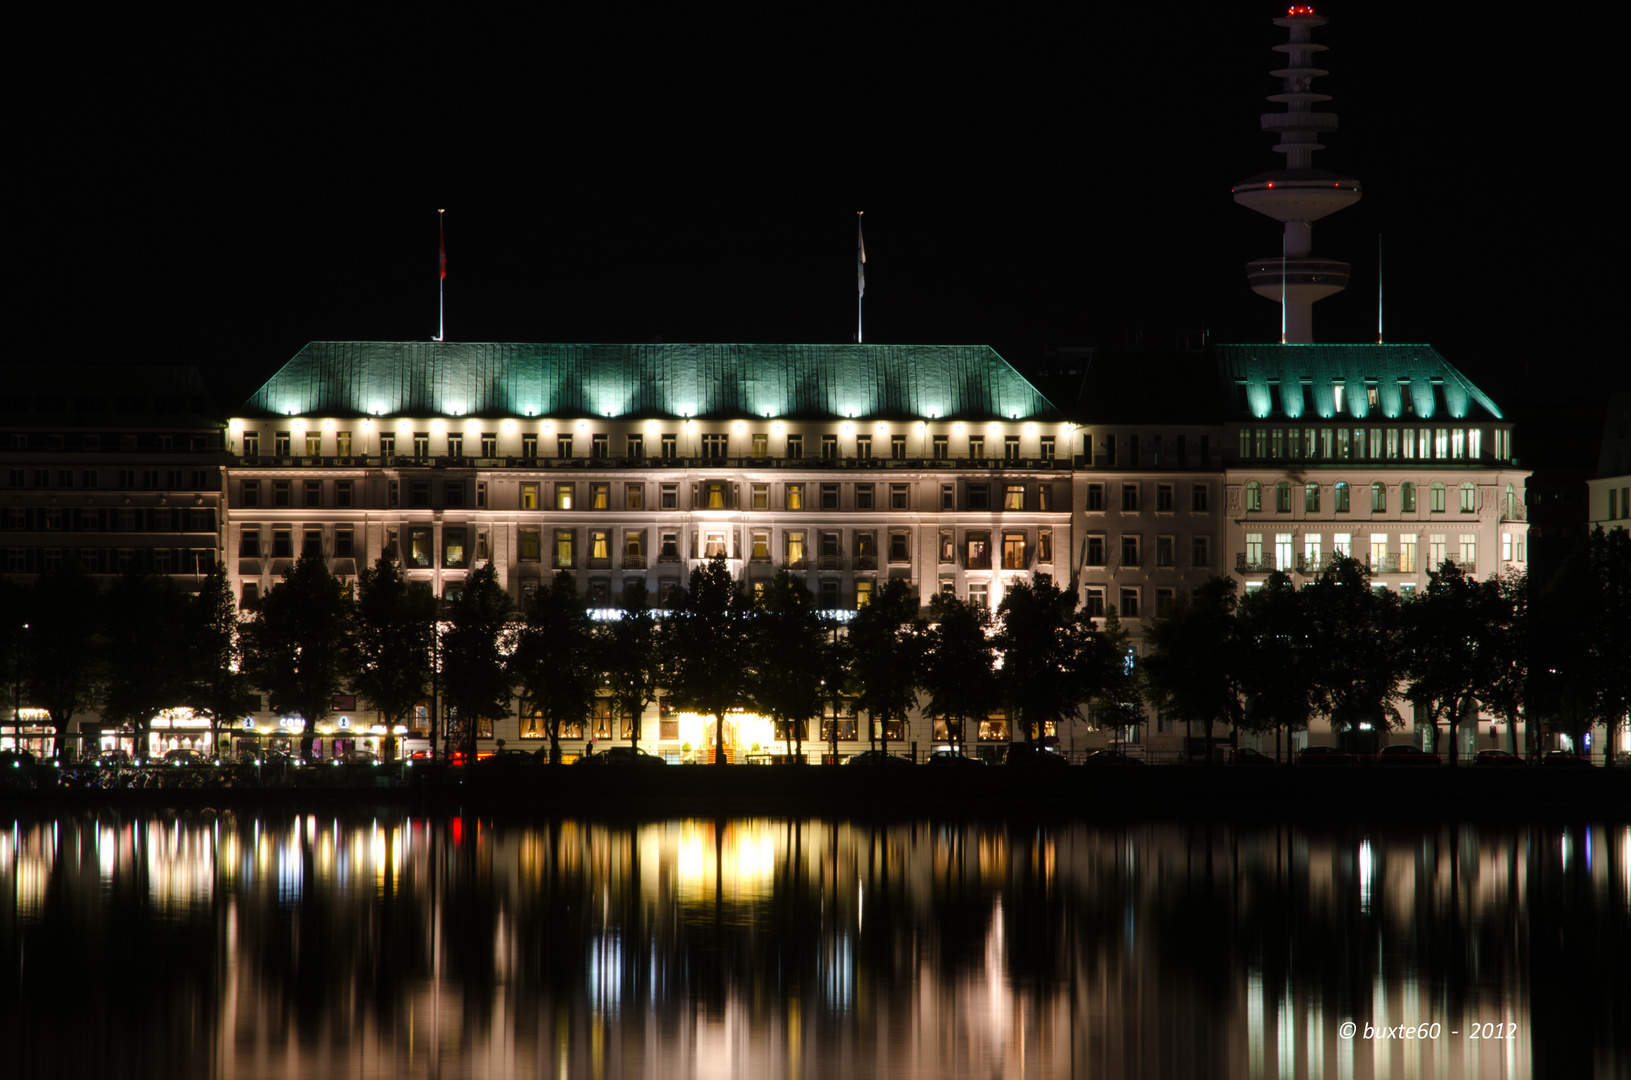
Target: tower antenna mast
1298,194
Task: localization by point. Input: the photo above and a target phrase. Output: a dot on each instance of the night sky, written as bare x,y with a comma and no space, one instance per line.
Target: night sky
218,191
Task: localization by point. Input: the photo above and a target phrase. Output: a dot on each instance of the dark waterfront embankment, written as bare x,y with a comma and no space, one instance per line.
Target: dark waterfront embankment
1170,791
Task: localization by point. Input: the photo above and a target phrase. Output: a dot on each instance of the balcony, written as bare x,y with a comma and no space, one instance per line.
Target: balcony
866,562
829,562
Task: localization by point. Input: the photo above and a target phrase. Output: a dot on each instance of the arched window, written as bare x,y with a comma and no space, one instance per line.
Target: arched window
1407,497
1435,498
1254,496
1469,497
1341,497
1378,497
1311,497
1510,504
1282,497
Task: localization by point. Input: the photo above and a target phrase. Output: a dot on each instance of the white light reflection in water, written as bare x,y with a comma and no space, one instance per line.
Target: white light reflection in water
385,947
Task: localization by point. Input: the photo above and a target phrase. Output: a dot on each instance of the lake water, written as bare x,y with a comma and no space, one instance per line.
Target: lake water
358,943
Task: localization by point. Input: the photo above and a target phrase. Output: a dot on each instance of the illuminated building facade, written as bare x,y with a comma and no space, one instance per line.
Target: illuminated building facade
849,465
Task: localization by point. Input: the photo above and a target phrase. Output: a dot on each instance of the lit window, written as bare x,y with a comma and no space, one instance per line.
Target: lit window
1407,497
1469,497
1013,497
1378,497
1254,496
563,496
1435,498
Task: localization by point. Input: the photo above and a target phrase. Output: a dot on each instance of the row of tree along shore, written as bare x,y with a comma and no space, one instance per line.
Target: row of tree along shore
1270,661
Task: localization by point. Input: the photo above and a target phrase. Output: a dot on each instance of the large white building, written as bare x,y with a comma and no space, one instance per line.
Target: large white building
855,464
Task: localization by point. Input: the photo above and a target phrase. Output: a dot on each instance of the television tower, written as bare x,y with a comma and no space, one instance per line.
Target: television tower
1297,194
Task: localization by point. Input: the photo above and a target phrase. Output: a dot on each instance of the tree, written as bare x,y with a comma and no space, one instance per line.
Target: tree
1504,673
62,651
146,646
785,642
393,633
1561,617
552,662
475,656
214,685
1357,658
837,682
1116,676
1275,659
297,648
1447,644
1610,555
1044,648
706,646
630,657
884,660
959,665
1193,671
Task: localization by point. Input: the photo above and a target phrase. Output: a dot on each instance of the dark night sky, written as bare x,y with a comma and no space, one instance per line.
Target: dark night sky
219,190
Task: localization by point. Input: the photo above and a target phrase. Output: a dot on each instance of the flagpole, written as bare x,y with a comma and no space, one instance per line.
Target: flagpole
860,273
1378,288
441,278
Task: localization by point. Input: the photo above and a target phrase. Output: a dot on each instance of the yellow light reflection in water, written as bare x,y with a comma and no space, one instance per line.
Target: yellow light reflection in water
738,947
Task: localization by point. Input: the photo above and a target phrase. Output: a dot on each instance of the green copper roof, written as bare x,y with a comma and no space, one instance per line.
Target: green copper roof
1411,382
389,378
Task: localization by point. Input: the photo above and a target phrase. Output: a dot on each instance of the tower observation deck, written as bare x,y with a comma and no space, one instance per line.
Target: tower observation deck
1298,194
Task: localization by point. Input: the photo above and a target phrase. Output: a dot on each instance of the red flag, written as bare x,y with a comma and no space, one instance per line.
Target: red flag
441,246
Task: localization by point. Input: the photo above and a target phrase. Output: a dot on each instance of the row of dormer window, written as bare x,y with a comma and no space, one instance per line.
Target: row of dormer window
423,445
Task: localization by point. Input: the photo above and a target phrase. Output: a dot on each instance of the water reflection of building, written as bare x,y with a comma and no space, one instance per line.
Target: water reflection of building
814,948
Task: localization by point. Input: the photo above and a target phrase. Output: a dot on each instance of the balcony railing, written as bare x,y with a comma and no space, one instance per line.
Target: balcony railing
829,562
634,562
866,562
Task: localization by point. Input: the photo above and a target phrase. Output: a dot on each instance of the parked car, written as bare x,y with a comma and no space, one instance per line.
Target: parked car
1405,756
112,759
1111,758
510,758
876,757
182,756
952,758
1324,757
1245,755
358,757
16,758
620,755
1562,759
1498,759
1033,754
